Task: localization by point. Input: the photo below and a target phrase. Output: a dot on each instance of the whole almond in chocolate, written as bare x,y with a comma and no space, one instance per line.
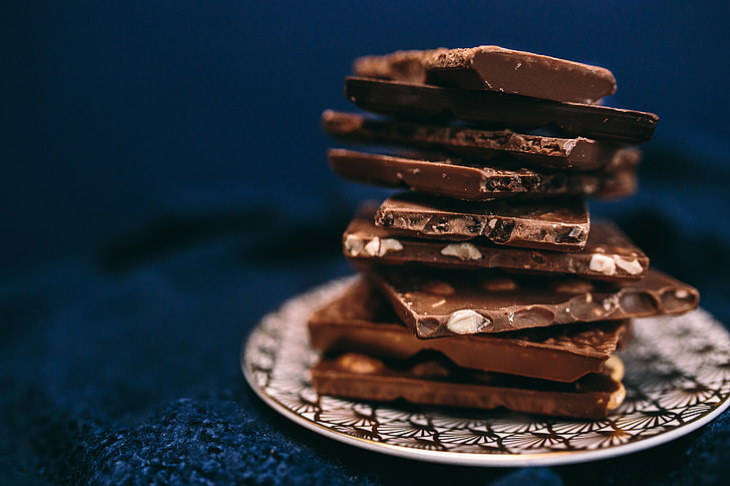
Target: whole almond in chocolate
476,306
455,178
607,255
478,144
500,110
361,321
560,224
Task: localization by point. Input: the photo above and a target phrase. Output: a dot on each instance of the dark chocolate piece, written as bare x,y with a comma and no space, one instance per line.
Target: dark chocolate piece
560,224
500,110
437,303
496,69
455,178
608,254
438,382
362,321
562,153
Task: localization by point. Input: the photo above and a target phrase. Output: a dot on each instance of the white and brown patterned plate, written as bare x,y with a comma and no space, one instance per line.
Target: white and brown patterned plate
677,379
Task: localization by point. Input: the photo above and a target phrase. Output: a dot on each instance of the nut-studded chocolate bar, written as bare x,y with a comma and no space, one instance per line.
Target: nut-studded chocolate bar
560,224
479,145
361,321
494,68
436,303
438,382
608,254
447,177
500,110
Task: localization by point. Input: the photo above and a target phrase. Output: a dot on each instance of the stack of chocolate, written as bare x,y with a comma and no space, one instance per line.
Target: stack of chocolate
487,285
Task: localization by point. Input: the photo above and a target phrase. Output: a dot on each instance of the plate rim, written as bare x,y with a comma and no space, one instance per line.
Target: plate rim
553,458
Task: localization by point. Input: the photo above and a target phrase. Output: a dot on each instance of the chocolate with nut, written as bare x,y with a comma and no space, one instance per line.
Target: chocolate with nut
436,303
494,68
560,224
363,241
430,381
450,177
478,144
500,110
361,321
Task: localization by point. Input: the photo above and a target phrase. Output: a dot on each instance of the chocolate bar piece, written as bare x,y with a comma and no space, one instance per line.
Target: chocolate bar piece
500,110
498,69
405,66
437,303
562,153
560,224
365,242
361,321
494,68
455,178
438,382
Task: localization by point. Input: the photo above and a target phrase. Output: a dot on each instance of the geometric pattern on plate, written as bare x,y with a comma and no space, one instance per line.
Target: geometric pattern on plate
668,388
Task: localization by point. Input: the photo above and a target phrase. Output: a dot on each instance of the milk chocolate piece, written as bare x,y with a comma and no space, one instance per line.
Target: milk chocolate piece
437,303
560,224
405,66
494,68
361,321
438,382
498,69
562,153
500,110
444,176
365,242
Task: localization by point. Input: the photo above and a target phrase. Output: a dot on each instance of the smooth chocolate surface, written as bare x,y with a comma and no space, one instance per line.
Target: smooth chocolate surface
498,69
500,110
438,382
450,177
560,224
437,303
475,144
494,68
366,242
362,321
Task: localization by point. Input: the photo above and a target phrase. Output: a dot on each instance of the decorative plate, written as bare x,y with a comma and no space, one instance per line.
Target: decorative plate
677,379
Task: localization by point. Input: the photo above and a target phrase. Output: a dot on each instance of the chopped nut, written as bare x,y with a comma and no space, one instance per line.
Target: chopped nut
572,286
617,397
354,245
602,264
389,244
462,251
499,284
438,304
615,368
467,321
632,267
681,294
378,247
359,363
430,369
437,287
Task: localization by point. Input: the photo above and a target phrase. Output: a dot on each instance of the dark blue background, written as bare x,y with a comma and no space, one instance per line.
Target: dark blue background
164,185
